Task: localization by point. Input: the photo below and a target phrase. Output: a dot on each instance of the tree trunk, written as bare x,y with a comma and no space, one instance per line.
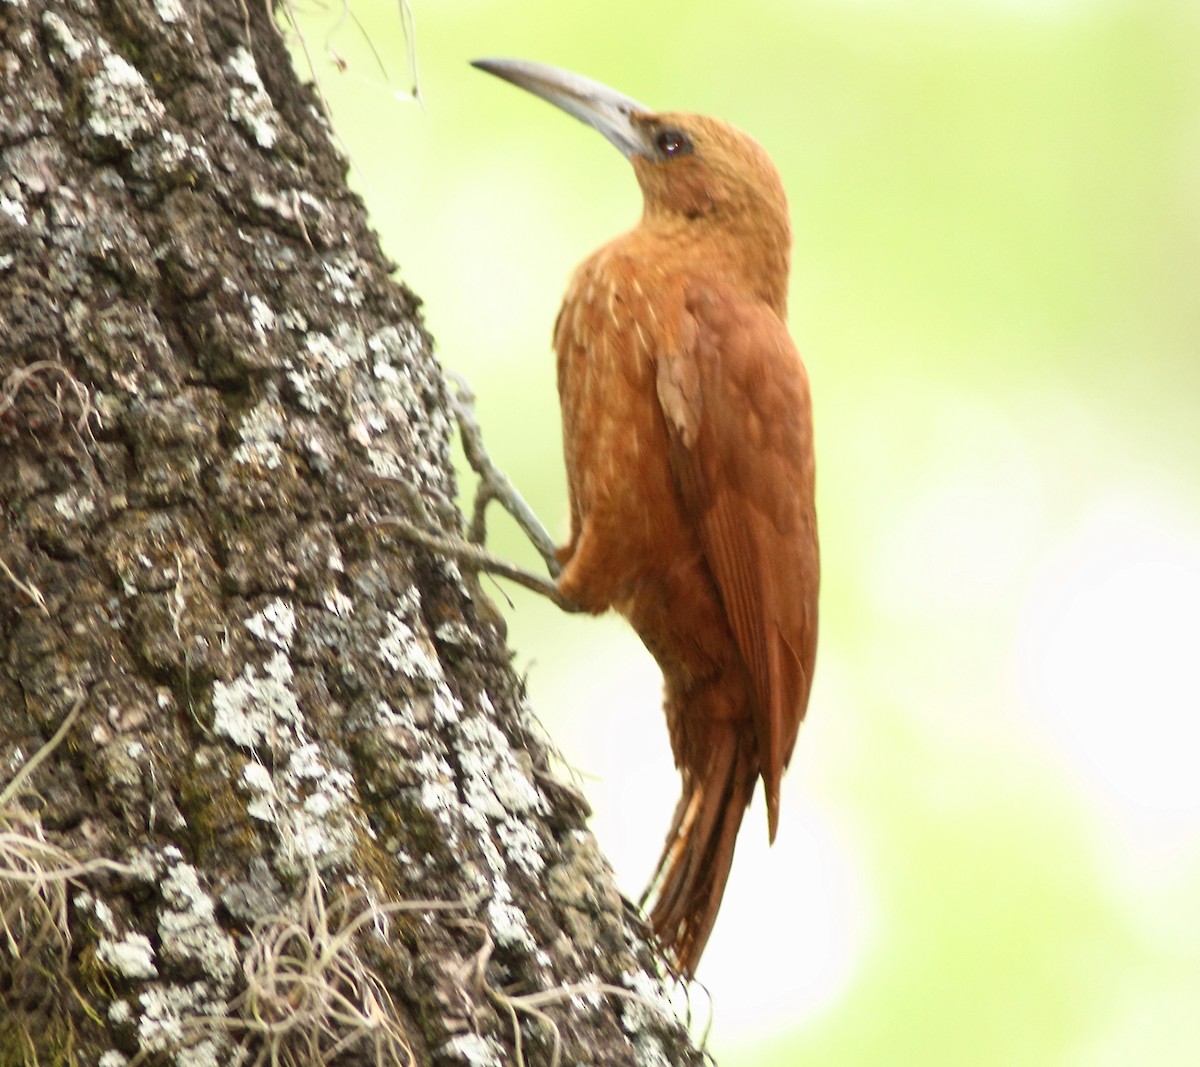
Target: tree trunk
269,791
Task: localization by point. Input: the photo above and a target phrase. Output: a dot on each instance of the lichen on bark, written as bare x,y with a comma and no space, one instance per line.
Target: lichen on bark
301,751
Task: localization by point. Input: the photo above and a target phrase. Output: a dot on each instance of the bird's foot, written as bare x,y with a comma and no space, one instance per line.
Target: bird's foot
495,485
475,558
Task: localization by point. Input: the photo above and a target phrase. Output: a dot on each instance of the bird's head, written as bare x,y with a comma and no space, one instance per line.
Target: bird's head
692,169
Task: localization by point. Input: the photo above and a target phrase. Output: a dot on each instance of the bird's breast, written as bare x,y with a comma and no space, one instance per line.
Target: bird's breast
615,317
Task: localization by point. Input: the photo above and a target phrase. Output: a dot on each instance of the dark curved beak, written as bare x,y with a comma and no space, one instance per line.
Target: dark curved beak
602,108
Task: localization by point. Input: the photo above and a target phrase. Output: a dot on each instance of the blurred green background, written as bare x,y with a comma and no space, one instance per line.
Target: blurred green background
990,845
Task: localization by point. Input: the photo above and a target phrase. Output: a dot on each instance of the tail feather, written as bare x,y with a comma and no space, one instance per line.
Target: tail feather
690,879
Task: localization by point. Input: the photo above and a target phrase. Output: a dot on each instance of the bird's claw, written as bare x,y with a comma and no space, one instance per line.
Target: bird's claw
476,558
495,485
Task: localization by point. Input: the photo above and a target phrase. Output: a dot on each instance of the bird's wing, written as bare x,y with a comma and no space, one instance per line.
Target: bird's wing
735,397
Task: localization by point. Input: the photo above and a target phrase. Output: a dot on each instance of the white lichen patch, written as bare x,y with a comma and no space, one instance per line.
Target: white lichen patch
308,800
249,105
318,456
507,922
74,505
61,34
256,709
307,388
413,655
14,209
402,717
651,1008
495,795
256,779
297,209
276,623
331,355
383,461
495,783
446,708
261,430
321,359
306,763
322,838
188,929
648,1051
454,632
144,865
170,11
208,1052
122,105
522,846
167,1016
167,152
395,353
321,824
102,912
342,273
176,149
131,956
438,795
104,915
475,1049
292,319
338,603
262,318
165,1012
263,808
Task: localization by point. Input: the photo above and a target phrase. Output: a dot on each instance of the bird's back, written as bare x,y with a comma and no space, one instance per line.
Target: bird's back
688,450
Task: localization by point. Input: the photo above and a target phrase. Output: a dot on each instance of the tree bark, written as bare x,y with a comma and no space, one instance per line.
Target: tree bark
269,790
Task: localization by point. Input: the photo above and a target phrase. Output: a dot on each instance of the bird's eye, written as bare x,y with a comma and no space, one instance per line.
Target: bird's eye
671,142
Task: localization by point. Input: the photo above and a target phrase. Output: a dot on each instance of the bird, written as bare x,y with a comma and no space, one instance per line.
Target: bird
688,447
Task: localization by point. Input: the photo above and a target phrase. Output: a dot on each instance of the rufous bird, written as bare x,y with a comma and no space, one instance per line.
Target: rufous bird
687,433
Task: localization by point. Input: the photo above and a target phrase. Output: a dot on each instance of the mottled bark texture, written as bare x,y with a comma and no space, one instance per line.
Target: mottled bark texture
286,735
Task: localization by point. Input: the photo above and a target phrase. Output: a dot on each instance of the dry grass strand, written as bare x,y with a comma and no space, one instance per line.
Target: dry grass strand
531,1004
34,872
309,996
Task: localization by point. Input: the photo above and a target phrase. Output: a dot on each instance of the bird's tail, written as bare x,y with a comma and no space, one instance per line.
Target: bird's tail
689,881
